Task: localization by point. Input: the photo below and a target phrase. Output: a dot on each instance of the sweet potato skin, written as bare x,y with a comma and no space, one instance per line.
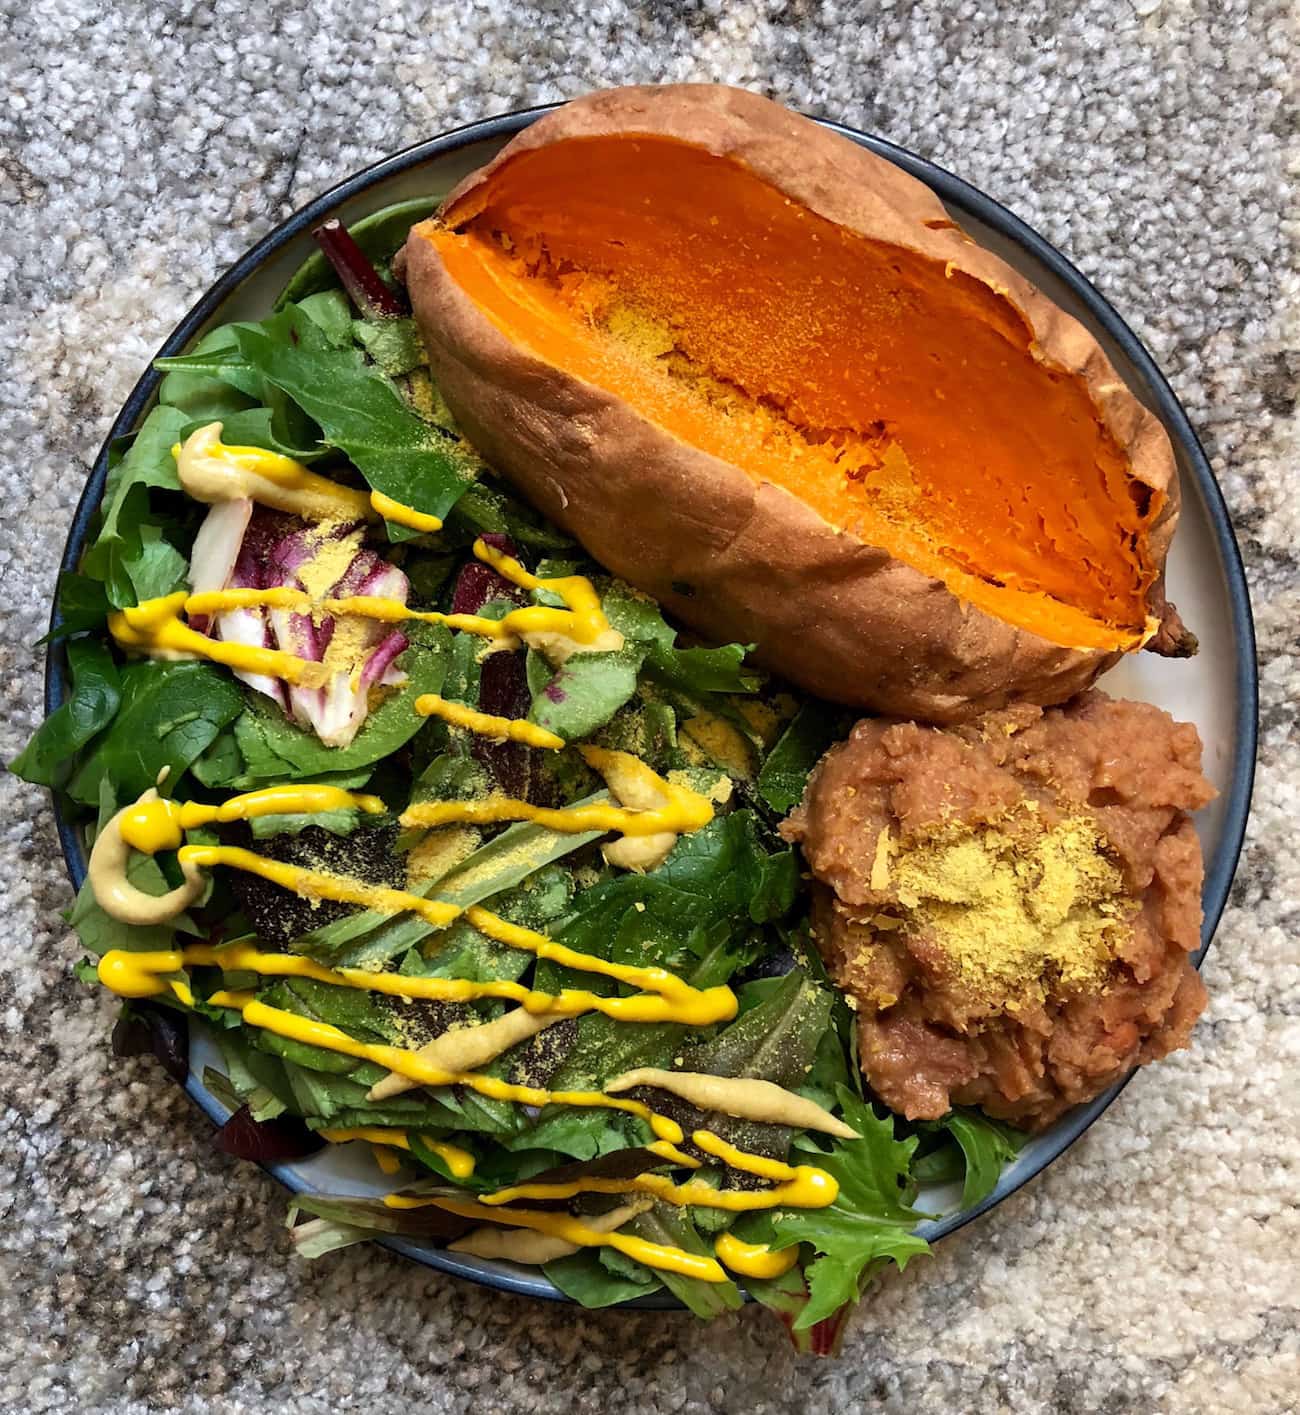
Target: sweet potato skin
746,561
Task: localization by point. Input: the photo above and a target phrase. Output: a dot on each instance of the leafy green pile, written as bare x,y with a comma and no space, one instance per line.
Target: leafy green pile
354,397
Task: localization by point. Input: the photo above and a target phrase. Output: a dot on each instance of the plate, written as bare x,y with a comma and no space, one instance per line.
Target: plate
1218,689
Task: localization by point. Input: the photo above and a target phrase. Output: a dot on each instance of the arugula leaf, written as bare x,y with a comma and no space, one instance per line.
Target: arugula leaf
169,714
585,1278
871,1219
800,747
361,413
586,692
275,748
89,708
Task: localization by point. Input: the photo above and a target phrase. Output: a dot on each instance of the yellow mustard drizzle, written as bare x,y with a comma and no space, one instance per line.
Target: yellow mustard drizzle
402,515
140,974
683,810
573,1230
409,1064
150,826
388,1162
318,884
795,1186
210,471
500,729
754,1259
581,619
158,627
379,607
459,1162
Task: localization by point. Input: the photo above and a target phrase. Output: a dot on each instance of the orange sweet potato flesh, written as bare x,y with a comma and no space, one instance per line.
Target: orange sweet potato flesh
683,256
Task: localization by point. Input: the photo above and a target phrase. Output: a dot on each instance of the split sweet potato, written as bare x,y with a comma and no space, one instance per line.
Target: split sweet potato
761,374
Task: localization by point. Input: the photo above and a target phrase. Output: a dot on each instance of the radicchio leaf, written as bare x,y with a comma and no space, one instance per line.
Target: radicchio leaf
144,1029
266,1141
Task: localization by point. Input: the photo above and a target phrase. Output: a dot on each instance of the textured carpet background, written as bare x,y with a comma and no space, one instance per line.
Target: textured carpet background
143,146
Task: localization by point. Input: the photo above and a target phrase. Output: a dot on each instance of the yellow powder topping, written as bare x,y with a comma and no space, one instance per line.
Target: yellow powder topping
440,851
331,556
1018,909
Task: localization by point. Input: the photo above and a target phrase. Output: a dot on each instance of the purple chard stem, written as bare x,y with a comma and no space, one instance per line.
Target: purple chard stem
360,279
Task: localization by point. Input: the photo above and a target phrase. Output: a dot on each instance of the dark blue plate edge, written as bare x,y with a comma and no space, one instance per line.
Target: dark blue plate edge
954,192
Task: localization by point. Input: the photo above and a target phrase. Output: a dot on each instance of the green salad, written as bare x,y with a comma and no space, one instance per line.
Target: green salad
458,850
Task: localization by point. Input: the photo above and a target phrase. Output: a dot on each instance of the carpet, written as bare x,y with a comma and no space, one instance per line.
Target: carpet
143,147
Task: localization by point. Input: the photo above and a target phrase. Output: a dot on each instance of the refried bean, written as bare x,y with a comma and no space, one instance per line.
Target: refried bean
1010,905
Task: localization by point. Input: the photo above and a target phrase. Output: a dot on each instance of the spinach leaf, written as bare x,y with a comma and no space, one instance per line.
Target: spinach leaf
83,605
696,671
586,692
191,386
986,1146
775,1041
591,1284
361,413
671,1227
169,714
393,344
340,822
700,670
275,748
89,708
800,747
485,506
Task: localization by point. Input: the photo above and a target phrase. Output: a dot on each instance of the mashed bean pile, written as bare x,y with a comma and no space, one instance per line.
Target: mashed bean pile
1010,905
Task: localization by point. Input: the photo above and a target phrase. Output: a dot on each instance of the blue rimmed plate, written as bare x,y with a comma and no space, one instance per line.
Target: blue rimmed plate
1217,690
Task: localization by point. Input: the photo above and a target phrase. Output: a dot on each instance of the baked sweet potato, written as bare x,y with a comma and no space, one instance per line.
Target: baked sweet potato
761,374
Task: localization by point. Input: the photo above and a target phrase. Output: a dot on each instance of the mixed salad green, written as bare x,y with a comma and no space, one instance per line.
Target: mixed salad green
336,378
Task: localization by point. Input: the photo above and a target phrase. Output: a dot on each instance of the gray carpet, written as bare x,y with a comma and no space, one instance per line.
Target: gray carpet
143,146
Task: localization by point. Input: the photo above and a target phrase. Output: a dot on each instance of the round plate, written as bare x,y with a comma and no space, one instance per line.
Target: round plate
1217,690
